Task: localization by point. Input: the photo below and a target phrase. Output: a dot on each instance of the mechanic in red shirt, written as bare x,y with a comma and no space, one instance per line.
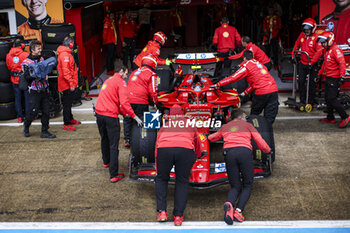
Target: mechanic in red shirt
142,87
127,31
237,135
109,36
338,21
153,47
67,81
177,147
177,24
227,39
14,60
307,42
334,69
272,26
258,54
265,96
112,101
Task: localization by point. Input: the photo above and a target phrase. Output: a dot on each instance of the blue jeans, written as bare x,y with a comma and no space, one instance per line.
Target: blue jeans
18,100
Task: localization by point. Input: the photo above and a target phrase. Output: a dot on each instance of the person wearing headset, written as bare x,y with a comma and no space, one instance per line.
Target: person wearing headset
67,81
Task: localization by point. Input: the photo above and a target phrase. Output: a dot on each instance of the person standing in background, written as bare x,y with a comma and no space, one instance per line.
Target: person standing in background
272,26
67,81
144,20
127,31
109,37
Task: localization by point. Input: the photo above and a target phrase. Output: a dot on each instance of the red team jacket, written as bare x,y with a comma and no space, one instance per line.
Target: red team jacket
334,63
67,69
127,28
256,75
310,45
339,24
142,86
14,61
113,98
258,54
179,137
226,37
109,34
272,26
153,48
238,133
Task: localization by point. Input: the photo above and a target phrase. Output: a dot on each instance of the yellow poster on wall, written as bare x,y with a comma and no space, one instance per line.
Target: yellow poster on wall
32,14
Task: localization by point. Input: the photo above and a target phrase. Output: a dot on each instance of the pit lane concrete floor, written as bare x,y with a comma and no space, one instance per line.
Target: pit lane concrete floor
63,179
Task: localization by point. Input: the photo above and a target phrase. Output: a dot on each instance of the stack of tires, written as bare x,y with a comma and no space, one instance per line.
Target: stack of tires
7,97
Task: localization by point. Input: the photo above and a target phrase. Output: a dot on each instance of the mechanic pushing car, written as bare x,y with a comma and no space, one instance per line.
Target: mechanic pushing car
258,54
307,42
227,39
112,101
334,69
265,97
177,147
142,86
237,135
153,47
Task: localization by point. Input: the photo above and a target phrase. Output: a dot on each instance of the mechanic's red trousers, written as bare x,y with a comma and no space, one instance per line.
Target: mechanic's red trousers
239,164
183,159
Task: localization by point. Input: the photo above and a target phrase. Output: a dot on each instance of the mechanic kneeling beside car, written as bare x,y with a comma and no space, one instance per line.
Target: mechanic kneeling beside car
237,136
175,146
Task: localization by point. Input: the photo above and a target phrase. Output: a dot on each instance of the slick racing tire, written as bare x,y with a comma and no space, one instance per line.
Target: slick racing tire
56,32
6,93
142,144
7,111
4,73
266,131
165,77
4,49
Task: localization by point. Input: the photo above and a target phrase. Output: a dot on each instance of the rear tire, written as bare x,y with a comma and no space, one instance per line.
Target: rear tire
165,77
142,144
5,49
266,131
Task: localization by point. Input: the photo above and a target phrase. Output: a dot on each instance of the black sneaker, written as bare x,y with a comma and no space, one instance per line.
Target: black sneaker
26,132
47,134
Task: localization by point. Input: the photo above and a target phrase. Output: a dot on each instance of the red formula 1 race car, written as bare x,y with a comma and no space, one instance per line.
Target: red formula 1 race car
207,109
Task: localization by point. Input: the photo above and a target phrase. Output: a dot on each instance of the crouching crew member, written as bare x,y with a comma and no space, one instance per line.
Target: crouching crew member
180,147
334,69
112,101
307,42
38,93
14,60
153,47
265,97
258,54
67,81
237,136
142,87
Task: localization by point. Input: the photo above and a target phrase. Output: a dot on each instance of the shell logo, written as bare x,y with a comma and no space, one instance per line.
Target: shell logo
153,173
302,40
202,137
233,129
145,49
133,78
263,71
225,34
103,86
